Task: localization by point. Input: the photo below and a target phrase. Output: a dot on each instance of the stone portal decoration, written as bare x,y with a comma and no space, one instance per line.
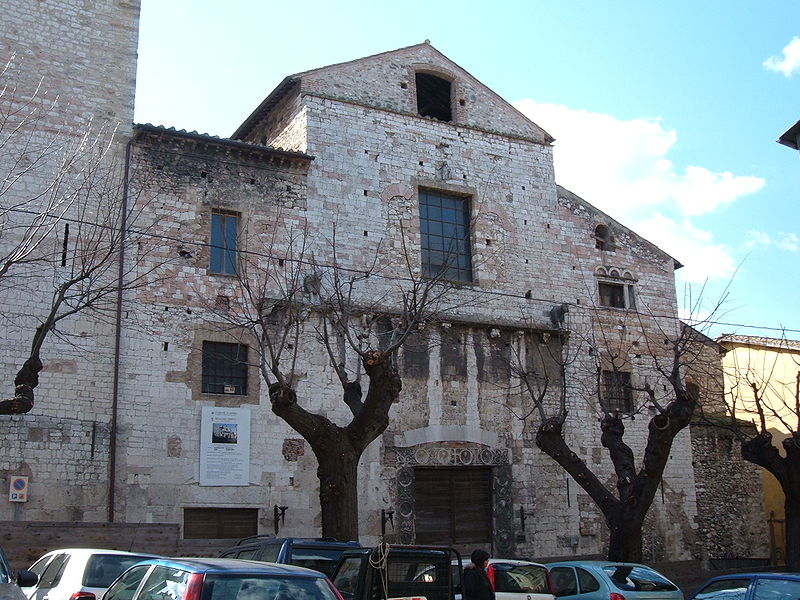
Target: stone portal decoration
453,455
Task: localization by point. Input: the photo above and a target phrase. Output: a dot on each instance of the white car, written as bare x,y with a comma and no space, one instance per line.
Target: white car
519,580
79,573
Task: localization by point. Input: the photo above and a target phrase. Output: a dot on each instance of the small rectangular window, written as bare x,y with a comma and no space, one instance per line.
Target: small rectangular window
445,235
217,523
612,294
224,368
617,395
224,230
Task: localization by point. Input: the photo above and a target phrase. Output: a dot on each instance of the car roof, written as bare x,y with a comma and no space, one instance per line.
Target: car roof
90,551
514,561
233,565
264,540
595,563
770,574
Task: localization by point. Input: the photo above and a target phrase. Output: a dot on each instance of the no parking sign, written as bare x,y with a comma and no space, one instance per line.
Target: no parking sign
18,489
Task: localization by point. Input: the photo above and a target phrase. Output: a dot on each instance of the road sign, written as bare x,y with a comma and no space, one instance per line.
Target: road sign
18,488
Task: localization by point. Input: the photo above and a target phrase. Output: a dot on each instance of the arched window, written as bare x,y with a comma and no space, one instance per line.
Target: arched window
603,238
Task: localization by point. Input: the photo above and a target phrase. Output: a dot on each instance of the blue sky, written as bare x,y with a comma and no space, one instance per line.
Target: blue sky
665,114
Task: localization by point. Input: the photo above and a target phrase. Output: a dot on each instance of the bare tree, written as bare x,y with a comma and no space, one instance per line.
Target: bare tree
64,213
356,316
562,375
763,394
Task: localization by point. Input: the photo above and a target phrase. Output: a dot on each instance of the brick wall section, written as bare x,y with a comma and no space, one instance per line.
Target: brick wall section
26,542
84,53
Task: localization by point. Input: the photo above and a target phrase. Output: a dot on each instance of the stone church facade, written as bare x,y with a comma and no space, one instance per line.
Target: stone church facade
341,160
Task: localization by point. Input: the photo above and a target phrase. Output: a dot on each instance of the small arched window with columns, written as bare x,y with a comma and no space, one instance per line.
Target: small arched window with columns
616,287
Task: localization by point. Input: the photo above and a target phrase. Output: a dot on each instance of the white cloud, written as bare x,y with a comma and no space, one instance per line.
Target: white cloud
755,238
785,241
703,259
789,64
623,168
790,242
620,165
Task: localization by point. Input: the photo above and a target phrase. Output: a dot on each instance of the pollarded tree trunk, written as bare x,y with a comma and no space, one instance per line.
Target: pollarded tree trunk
792,508
24,383
338,490
786,469
338,449
624,512
623,518
625,534
27,378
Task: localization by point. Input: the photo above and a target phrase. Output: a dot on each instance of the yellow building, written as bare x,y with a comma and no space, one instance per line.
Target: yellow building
762,378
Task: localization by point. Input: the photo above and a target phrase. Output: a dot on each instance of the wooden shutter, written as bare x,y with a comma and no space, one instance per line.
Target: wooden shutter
453,506
217,523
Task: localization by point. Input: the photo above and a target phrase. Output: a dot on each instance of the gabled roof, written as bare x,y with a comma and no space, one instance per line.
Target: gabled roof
279,156
615,225
340,81
792,137
759,342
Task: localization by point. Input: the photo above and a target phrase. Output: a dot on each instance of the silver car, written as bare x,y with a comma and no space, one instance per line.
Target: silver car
610,580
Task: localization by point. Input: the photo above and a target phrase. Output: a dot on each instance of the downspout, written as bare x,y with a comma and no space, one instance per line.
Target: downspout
112,446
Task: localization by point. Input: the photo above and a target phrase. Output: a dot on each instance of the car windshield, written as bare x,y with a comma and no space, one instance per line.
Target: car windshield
638,578
319,559
257,587
724,589
347,577
103,569
520,578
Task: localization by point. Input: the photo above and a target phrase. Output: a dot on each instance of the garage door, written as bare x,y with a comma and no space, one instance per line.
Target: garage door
453,506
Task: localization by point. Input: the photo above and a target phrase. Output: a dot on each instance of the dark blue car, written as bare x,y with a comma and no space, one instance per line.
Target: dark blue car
750,586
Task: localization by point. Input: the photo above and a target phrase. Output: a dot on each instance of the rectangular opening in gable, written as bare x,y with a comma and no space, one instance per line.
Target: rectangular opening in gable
433,97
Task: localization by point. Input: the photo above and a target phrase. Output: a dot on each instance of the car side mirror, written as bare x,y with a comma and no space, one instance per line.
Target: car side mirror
27,578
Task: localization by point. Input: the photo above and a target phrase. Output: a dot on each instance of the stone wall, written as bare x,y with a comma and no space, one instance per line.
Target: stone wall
731,521
72,65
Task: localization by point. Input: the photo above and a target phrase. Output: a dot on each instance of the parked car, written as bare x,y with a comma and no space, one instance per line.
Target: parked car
219,579
609,580
78,573
10,583
320,554
517,580
750,586
403,572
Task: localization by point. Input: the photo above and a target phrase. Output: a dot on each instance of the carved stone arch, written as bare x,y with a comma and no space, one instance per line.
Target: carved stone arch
455,454
601,272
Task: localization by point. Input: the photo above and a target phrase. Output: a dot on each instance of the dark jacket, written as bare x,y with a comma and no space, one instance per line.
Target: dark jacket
476,584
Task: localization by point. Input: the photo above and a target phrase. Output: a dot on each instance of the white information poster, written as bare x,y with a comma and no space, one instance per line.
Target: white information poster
225,446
